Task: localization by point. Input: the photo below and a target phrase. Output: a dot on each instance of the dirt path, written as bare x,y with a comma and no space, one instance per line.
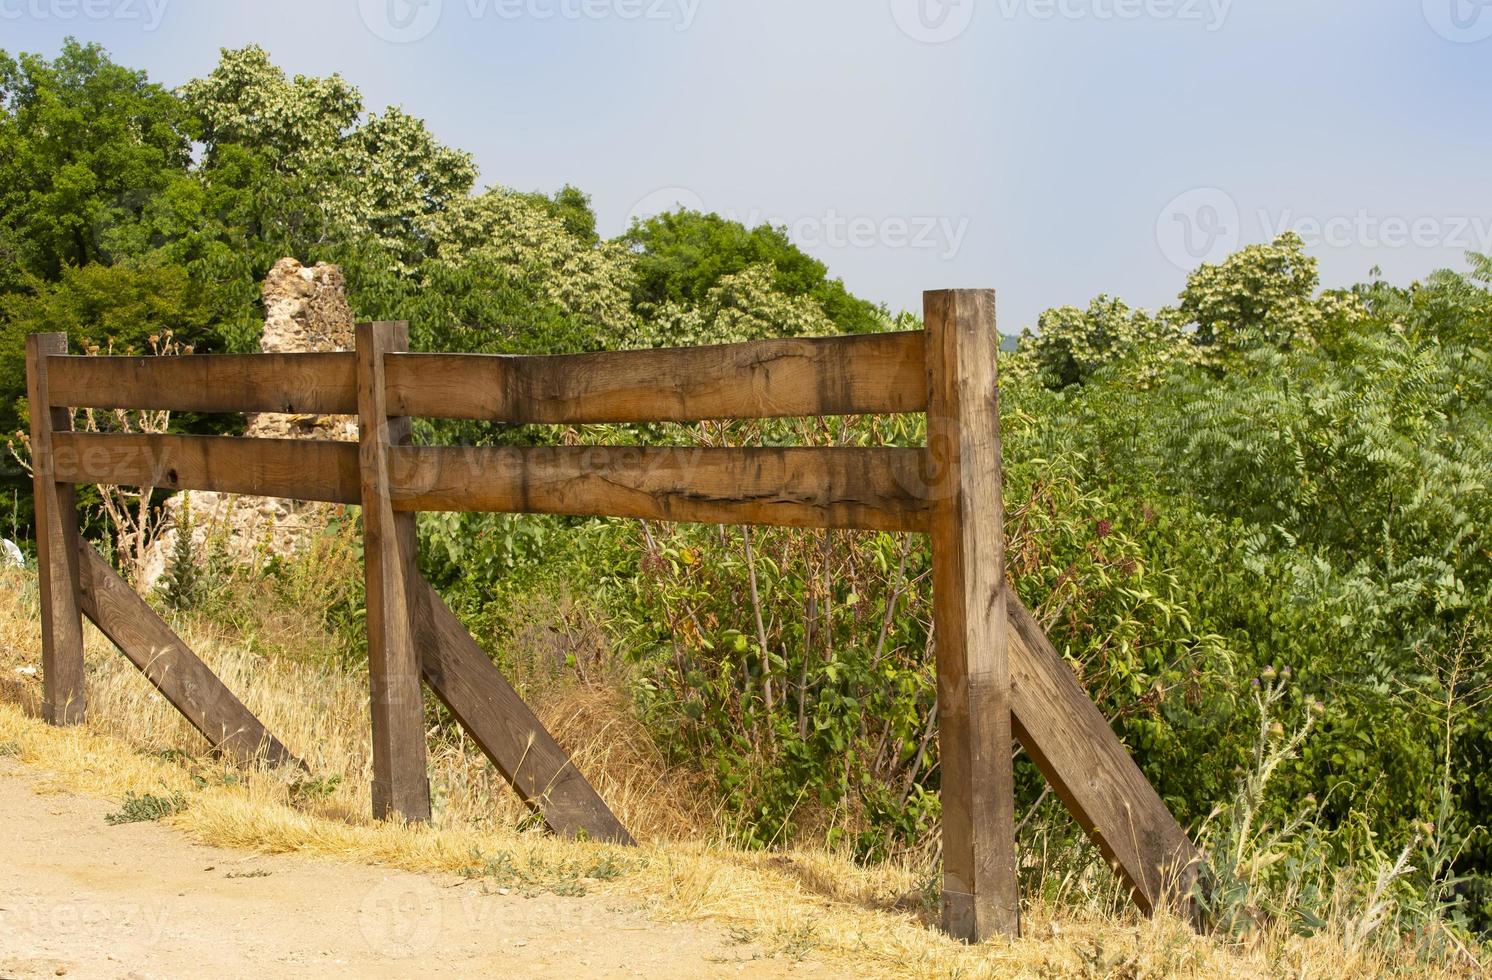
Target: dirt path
81,898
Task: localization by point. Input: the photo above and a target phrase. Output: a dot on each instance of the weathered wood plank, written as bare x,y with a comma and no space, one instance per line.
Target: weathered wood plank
981,896
166,661
873,489
64,695
1092,773
401,783
291,468
497,719
294,384
871,374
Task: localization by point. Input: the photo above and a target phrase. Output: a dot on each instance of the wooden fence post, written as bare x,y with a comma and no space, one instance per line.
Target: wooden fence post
401,785
64,698
980,893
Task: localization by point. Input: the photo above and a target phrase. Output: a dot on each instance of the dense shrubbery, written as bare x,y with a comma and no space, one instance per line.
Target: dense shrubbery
1263,506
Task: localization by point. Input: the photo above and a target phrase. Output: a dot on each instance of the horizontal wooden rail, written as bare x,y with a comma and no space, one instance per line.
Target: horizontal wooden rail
293,384
869,489
862,375
297,469
857,375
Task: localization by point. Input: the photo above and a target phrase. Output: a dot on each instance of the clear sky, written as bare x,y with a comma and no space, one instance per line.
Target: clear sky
1052,149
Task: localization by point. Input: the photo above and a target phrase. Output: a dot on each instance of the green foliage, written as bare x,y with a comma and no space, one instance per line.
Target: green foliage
182,585
99,307
1261,483
1075,343
84,144
683,255
146,808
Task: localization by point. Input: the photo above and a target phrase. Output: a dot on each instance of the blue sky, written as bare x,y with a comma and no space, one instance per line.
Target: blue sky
1052,149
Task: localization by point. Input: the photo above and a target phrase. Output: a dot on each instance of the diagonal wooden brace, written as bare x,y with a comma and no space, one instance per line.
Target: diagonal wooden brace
1092,773
485,704
166,661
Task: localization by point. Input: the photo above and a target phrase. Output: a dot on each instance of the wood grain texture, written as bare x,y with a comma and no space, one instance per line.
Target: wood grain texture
64,695
495,716
183,679
981,897
292,468
870,489
1093,774
294,384
401,783
874,489
871,374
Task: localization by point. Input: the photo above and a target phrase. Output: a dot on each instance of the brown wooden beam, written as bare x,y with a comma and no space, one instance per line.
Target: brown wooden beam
293,384
298,469
857,375
874,489
981,896
169,664
401,783
64,695
1093,774
486,705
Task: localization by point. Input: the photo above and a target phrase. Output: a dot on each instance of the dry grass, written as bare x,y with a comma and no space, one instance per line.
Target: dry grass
868,920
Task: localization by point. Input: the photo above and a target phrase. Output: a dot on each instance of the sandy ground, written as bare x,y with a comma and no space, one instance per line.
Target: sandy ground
81,898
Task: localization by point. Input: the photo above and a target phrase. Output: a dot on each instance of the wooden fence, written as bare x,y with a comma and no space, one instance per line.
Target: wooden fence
999,678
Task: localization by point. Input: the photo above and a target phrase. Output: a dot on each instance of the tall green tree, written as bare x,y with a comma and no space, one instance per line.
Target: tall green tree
85,146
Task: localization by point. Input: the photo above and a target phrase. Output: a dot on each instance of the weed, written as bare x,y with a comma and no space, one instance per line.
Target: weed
146,808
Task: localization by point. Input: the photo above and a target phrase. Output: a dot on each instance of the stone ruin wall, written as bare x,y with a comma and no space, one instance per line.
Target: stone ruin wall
305,310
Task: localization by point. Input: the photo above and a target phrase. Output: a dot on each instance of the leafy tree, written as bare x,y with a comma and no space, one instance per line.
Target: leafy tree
684,254
84,146
1264,295
741,306
379,177
98,307
1074,343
